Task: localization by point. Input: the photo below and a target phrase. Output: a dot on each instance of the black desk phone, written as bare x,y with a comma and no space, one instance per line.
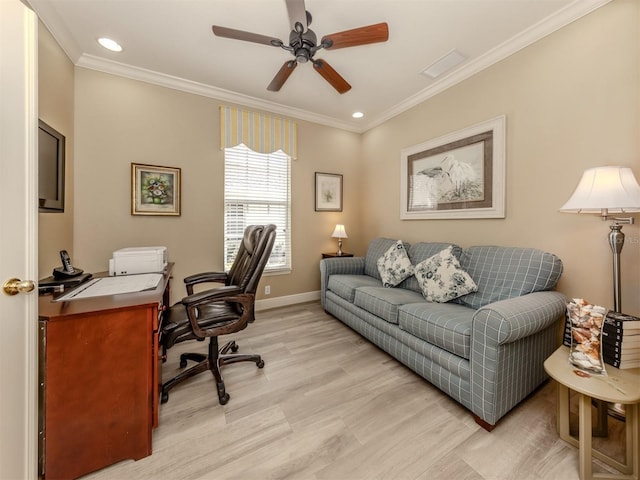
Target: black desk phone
67,270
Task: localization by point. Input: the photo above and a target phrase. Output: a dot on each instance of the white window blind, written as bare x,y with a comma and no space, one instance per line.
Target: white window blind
257,192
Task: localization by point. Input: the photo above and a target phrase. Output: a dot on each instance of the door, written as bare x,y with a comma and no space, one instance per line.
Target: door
18,240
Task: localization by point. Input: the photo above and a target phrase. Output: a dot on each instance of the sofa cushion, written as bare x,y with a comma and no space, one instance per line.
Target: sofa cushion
394,266
345,285
384,302
419,252
377,248
507,272
446,325
441,279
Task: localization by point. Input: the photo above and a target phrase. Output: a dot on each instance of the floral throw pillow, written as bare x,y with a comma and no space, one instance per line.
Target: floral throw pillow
442,279
394,266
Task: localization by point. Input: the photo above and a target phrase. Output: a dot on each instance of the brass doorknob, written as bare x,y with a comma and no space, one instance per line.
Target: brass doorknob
13,286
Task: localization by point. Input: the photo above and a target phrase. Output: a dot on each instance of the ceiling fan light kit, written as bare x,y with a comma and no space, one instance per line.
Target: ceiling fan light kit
303,44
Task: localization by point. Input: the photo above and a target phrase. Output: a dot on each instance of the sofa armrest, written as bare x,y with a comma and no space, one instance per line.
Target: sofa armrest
509,320
510,341
338,266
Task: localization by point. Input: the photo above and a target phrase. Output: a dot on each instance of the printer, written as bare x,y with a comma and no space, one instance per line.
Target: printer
132,260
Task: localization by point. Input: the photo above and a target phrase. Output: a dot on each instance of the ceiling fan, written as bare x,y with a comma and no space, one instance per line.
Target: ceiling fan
303,44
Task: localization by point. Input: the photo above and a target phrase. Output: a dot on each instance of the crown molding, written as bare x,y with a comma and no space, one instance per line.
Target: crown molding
547,26
55,25
572,12
176,83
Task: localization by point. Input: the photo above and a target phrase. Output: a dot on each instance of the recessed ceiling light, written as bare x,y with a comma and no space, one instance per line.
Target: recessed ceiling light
110,44
357,115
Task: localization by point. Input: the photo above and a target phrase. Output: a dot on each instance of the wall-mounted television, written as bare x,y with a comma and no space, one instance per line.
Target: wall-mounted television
51,159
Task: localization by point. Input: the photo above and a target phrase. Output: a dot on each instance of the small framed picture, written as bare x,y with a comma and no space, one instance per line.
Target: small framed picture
328,192
155,190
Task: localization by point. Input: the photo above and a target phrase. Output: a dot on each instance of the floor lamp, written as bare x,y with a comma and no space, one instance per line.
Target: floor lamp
607,191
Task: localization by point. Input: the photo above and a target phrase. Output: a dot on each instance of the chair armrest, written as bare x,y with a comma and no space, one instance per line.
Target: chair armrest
204,277
212,295
227,294
509,320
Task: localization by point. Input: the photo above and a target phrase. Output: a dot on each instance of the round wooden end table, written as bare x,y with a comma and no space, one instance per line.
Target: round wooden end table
618,386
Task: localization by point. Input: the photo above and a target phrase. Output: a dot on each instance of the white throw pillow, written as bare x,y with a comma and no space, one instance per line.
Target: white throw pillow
442,279
395,266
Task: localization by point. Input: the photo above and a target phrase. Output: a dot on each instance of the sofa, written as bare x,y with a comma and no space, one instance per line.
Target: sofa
485,348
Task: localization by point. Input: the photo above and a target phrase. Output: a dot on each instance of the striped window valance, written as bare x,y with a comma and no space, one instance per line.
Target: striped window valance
261,133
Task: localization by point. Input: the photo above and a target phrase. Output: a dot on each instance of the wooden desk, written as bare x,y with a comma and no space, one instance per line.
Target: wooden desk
100,373
618,386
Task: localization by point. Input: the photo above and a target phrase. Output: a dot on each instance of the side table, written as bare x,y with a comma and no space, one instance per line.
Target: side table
335,255
618,386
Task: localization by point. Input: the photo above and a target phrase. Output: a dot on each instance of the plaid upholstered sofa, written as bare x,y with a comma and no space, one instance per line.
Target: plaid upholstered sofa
484,349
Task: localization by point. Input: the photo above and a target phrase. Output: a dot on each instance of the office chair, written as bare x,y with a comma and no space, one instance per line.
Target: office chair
219,311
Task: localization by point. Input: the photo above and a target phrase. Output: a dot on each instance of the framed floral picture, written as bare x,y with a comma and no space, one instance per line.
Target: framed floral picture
155,190
328,192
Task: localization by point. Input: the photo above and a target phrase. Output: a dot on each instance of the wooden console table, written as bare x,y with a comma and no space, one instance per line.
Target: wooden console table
100,374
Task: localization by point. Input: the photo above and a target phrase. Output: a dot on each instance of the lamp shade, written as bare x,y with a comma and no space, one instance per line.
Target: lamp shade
340,232
608,189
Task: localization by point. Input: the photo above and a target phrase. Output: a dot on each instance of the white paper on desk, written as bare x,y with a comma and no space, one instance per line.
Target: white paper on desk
113,286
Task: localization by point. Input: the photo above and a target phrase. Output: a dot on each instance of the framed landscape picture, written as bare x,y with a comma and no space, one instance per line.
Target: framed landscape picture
155,190
328,192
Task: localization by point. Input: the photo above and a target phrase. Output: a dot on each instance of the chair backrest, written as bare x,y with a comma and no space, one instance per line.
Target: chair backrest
252,257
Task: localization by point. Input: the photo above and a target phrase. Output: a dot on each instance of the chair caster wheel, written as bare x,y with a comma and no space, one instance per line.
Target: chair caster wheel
224,399
164,398
183,363
234,347
260,364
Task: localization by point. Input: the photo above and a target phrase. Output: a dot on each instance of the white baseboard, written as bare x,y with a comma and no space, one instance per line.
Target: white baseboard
276,302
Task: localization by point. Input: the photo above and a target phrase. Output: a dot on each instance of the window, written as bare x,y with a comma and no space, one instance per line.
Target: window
257,192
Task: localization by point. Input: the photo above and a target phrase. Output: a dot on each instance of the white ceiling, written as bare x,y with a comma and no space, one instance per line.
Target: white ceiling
170,43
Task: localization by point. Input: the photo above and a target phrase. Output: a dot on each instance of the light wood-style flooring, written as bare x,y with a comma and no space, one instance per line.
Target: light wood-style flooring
329,405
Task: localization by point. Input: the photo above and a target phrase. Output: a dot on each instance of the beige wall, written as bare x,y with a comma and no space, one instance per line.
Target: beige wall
55,107
120,121
571,102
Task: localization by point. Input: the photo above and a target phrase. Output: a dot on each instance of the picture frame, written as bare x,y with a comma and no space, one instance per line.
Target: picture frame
460,175
155,190
328,192
51,168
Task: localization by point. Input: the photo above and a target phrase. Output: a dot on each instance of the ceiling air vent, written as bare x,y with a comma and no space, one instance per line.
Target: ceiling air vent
450,60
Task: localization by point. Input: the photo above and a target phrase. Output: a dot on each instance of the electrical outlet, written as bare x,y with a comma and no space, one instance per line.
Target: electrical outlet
267,290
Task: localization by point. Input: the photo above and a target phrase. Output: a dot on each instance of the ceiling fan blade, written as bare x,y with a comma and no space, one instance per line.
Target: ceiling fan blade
378,32
331,76
246,36
282,75
297,14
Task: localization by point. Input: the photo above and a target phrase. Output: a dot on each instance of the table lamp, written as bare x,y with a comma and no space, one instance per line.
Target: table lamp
339,233
607,191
